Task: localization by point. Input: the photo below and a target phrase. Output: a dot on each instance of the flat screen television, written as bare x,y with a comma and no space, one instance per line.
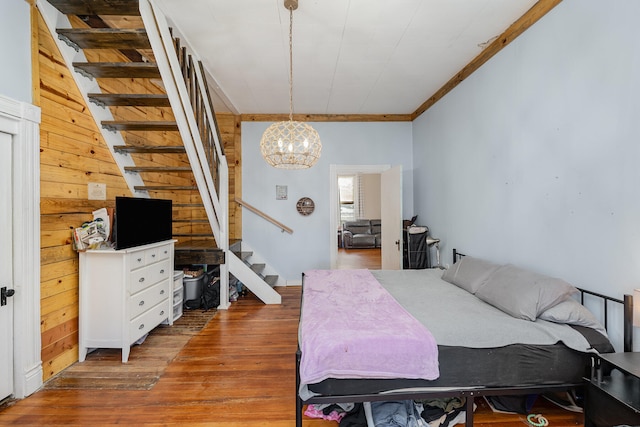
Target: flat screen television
140,221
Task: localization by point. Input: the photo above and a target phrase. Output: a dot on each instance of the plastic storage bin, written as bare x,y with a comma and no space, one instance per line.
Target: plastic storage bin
193,291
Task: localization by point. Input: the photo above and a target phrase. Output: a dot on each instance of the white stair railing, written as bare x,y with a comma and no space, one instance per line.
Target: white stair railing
215,202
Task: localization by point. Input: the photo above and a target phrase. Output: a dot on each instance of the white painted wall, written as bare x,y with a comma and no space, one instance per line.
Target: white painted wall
343,144
535,159
15,50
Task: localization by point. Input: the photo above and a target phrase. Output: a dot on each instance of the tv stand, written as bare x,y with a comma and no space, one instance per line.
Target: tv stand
124,294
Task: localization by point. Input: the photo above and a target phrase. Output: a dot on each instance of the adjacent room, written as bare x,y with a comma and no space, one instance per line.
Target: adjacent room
320,213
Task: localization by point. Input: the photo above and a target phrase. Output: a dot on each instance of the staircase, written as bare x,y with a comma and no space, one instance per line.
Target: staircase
150,100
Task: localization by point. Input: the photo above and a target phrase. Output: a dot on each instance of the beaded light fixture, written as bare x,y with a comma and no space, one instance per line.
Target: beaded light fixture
291,144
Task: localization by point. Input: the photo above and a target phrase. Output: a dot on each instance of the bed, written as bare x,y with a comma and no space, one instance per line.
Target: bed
467,344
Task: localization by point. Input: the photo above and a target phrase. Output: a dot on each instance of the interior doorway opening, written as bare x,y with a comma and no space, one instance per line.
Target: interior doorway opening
355,194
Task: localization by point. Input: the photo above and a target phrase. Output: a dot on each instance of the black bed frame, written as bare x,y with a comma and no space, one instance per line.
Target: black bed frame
470,393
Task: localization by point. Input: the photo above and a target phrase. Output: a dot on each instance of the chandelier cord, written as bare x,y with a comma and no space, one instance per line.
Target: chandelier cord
290,64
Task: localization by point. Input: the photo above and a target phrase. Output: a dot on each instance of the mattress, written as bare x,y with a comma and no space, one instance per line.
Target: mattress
479,346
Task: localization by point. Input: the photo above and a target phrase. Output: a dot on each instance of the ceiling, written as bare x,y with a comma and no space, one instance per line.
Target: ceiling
351,57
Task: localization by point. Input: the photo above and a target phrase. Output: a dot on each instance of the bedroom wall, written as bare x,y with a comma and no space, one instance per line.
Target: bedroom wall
15,50
534,158
370,143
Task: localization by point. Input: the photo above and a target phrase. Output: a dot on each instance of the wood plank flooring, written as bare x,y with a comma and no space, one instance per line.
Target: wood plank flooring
238,371
359,258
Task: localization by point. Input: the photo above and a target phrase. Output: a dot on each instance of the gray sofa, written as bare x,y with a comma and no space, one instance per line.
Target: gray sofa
363,233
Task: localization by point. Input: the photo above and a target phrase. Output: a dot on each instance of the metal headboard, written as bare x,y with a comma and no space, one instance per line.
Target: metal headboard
627,304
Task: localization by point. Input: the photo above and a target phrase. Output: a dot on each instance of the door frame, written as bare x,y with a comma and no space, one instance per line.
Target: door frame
334,171
22,121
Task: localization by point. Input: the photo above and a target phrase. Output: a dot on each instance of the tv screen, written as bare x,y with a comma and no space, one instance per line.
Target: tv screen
141,221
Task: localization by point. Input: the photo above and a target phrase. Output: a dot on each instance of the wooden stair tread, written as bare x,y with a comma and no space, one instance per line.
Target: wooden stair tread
165,187
105,38
200,245
256,268
271,280
198,252
157,169
192,221
93,7
149,149
118,69
130,100
140,125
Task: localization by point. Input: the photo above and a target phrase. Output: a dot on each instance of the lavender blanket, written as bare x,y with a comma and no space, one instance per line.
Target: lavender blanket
351,327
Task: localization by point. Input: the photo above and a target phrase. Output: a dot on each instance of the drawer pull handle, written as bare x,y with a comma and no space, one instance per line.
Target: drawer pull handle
141,280
141,326
139,259
162,292
162,312
153,255
162,271
141,303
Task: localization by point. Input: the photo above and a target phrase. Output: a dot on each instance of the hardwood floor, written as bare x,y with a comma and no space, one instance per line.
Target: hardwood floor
238,371
359,258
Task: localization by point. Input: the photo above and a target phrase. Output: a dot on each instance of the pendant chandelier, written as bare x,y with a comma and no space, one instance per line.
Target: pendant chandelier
291,144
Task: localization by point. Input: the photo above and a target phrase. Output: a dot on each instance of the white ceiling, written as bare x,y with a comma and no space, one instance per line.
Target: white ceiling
349,56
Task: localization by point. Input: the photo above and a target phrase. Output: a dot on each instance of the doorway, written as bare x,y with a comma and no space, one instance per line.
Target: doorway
335,217
19,126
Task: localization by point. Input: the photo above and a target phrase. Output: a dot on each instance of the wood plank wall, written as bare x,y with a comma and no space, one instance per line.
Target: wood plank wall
73,153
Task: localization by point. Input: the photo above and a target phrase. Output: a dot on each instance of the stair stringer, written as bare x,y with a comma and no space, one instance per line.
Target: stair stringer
251,280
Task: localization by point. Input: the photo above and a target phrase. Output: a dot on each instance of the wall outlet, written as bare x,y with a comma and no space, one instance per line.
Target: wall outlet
97,191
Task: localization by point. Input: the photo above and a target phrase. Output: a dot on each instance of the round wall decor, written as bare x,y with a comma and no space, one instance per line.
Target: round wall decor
305,206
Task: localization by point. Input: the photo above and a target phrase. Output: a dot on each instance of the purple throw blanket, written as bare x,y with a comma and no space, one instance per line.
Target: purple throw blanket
351,327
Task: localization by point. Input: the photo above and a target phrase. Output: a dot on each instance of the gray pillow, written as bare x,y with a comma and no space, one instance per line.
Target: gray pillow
469,273
521,293
571,312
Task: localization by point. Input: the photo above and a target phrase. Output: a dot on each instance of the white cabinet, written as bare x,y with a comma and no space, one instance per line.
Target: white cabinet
123,295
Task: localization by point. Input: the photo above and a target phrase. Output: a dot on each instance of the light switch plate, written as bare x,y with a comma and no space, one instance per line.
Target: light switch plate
97,191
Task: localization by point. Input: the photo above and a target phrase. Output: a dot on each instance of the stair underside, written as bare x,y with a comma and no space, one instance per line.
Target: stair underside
158,169
116,125
148,149
105,38
118,70
165,187
92,7
198,252
130,100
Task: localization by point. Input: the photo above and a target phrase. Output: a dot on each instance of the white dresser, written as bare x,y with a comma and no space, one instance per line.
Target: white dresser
123,295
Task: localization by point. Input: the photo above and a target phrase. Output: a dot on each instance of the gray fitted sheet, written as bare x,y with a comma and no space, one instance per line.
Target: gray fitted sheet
479,345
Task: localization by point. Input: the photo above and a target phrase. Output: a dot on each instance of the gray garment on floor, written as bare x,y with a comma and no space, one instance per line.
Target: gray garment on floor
400,413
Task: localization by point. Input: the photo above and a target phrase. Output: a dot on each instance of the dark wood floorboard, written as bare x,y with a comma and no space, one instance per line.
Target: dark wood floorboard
237,371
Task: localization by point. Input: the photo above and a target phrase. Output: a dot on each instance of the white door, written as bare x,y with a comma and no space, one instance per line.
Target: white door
6,266
391,216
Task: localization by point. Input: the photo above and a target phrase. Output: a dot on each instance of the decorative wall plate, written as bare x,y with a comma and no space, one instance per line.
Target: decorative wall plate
305,206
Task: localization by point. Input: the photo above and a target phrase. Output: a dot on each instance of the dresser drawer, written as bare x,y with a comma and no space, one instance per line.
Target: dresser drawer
136,259
144,277
148,320
156,254
148,256
142,301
